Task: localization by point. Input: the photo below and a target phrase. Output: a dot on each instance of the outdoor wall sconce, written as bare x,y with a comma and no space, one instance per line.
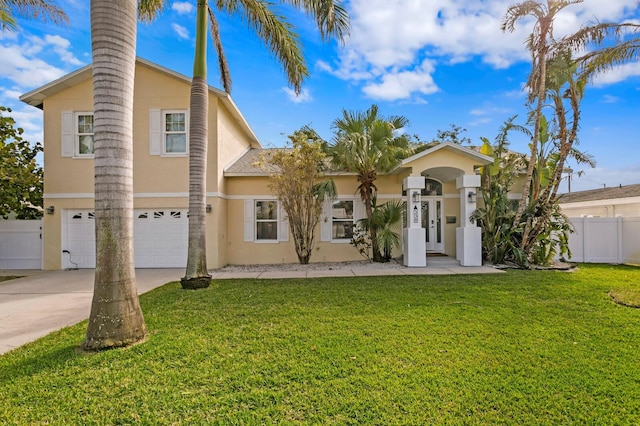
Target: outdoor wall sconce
416,197
208,208
51,209
472,197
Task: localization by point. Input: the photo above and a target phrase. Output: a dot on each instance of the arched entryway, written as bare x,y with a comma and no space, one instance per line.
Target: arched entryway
440,188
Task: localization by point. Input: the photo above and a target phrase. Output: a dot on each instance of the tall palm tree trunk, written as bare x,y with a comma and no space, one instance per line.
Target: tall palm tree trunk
116,318
196,275
540,49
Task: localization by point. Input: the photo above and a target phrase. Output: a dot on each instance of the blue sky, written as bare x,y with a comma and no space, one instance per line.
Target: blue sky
436,62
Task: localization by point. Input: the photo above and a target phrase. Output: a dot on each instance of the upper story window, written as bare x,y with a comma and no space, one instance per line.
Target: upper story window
84,134
174,132
266,220
342,220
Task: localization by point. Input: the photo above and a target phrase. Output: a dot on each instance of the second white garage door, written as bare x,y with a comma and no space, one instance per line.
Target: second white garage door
160,238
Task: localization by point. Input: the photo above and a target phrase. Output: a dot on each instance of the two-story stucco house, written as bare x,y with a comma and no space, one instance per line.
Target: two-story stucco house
245,223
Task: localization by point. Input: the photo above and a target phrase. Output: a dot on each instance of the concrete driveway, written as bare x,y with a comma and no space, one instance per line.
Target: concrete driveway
45,301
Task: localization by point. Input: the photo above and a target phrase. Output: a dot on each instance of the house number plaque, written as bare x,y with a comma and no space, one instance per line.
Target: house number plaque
415,214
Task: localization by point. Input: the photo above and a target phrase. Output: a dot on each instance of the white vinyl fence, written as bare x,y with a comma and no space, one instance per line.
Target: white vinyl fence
20,244
605,240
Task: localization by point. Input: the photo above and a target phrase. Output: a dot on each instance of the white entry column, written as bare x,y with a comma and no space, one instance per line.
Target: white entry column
414,242
468,235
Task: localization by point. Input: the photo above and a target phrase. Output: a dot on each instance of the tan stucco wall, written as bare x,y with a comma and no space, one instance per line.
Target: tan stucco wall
64,174
153,175
232,145
389,187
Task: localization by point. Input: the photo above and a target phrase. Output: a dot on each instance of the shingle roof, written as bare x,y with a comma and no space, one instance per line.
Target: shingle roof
601,194
249,164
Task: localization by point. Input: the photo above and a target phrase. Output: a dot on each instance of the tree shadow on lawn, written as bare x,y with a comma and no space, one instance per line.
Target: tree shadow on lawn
46,354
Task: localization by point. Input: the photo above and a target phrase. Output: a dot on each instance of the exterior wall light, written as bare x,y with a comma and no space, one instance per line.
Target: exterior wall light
472,197
416,197
51,209
208,208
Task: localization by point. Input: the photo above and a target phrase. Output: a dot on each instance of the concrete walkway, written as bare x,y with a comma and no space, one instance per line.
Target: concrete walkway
44,301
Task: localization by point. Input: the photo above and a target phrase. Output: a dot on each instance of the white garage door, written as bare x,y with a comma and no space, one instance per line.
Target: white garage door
160,238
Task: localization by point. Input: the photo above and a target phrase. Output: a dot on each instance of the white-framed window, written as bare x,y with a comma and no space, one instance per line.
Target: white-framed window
342,220
83,134
339,218
175,132
266,216
265,221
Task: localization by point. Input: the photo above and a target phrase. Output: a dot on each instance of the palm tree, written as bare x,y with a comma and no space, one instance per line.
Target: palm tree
538,43
116,318
277,33
45,10
197,275
565,80
366,143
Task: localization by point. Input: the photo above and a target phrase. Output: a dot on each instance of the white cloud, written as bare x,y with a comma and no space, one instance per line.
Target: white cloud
304,95
182,7
182,32
617,74
10,94
609,99
402,84
389,38
26,71
30,119
61,47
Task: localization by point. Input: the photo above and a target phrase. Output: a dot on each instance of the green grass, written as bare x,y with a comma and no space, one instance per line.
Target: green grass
8,277
524,347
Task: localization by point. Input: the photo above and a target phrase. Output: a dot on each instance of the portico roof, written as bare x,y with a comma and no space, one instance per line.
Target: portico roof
444,162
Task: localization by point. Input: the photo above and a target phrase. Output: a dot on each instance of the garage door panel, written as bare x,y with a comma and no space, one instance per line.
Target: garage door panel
160,238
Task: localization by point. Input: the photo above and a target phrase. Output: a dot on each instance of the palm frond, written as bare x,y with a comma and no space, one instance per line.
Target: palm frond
149,10
43,10
223,65
277,34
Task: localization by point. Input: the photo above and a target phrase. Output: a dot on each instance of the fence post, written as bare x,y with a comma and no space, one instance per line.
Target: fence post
619,238
585,239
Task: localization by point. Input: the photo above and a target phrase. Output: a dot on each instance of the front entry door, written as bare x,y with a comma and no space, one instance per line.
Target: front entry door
432,212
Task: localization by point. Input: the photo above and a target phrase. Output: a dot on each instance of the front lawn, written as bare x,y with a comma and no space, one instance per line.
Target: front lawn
524,347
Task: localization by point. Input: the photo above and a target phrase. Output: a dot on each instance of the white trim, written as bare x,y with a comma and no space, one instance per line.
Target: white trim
166,132
76,134
77,195
236,158
63,195
277,221
260,197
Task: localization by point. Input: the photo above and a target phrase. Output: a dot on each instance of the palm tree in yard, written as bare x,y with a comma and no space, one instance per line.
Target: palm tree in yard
367,144
607,45
45,10
278,35
539,44
116,318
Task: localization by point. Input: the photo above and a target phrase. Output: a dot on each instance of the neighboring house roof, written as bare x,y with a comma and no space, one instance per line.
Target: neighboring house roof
37,96
627,191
